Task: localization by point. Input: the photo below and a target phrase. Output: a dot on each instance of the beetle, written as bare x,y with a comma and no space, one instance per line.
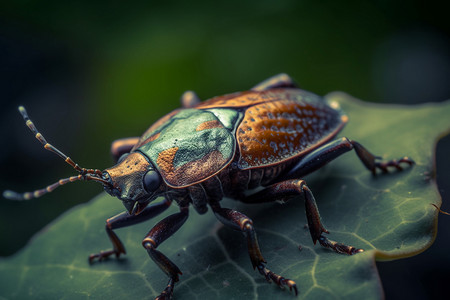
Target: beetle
268,137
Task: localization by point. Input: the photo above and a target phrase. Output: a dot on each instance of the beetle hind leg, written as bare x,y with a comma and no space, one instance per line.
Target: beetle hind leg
373,162
241,222
332,150
294,187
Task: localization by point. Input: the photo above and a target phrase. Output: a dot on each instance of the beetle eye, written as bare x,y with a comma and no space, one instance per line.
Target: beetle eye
152,181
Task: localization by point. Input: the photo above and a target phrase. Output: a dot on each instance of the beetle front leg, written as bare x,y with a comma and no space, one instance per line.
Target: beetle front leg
122,146
122,220
294,187
158,234
241,222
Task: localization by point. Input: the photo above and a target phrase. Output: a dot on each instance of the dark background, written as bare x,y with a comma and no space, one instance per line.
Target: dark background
89,73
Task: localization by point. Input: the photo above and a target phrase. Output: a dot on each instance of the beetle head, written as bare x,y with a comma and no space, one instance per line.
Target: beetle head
133,180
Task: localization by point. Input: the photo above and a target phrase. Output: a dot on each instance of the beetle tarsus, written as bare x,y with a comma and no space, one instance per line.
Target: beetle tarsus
168,291
103,255
277,279
383,166
339,247
371,163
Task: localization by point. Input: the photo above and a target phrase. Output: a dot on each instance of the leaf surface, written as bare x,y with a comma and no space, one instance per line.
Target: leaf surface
388,215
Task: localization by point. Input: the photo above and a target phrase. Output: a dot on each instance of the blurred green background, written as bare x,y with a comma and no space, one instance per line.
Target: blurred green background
91,72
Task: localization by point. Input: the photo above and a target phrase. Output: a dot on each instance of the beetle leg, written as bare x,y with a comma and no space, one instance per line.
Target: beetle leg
189,99
241,222
122,220
278,81
326,153
370,161
122,146
158,234
290,188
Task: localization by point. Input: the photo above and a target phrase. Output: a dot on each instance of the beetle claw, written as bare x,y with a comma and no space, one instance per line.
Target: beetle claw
383,166
339,247
103,255
277,279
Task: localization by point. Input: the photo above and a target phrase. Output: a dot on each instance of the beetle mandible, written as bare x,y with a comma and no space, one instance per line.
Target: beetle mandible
270,137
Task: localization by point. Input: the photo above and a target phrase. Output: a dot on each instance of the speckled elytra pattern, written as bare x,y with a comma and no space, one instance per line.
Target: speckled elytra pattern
275,131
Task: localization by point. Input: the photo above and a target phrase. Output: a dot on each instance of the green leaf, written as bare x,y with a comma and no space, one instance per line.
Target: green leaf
389,215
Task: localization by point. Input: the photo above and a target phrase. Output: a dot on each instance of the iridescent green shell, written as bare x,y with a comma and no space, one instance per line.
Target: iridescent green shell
191,145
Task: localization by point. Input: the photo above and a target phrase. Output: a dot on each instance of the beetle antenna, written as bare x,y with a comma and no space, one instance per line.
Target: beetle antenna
11,195
52,148
441,211
84,174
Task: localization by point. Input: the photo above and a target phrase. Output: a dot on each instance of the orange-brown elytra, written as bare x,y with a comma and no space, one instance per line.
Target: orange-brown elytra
209,125
270,136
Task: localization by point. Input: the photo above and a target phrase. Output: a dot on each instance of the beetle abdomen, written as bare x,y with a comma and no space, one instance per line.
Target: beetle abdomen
278,130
